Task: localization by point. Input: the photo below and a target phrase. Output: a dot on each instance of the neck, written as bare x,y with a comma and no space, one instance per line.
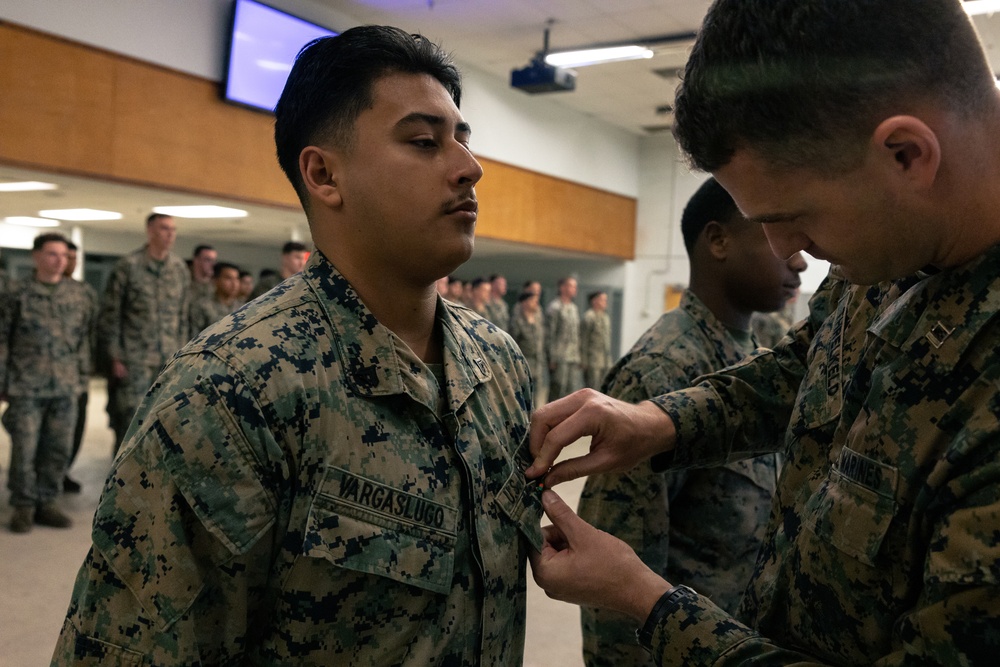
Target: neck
714,296
159,254
48,278
967,219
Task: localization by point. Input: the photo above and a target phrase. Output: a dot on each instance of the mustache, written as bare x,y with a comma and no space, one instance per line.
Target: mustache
465,201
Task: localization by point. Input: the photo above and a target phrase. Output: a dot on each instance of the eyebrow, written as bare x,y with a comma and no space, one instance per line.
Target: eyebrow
774,217
430,119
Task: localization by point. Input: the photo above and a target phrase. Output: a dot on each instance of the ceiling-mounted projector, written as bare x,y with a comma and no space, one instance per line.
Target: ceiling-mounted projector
540,77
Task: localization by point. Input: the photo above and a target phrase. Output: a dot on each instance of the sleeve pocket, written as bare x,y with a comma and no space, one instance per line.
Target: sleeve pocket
388,533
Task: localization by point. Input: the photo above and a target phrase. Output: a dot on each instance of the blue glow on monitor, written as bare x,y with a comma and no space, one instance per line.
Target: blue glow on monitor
262,48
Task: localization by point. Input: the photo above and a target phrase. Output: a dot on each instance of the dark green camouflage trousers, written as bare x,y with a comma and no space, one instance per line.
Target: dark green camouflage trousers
41,434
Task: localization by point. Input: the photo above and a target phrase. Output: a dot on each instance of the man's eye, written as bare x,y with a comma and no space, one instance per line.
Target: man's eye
424,143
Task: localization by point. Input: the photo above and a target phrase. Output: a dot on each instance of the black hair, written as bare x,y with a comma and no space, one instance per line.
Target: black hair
590,297
293,246
332,82
224,266
70,245
48,237
710,203
804,83
199,249
153,217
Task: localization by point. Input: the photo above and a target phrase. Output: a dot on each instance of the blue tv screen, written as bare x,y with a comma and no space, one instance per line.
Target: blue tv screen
262,47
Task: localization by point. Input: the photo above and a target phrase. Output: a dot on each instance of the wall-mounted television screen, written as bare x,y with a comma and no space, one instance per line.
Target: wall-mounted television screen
263,44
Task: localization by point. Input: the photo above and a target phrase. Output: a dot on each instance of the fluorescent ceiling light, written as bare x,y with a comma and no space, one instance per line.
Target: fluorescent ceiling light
584,57
974,7
26,186
80,214
200,211
27,221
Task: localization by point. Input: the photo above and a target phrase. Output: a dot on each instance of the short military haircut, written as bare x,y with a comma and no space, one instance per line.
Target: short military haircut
200,249
593,295
478,281
524,296
48,237
709,203
332,82
293,246
224,266
71,245
153,217
804,83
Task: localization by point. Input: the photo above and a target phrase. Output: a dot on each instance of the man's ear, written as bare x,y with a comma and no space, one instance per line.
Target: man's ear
319,169
909,148
716,240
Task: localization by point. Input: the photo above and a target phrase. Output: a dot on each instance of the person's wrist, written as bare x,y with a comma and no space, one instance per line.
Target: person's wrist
660,432
666,604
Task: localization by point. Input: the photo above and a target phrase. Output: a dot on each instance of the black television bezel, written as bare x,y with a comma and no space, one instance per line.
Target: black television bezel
224,88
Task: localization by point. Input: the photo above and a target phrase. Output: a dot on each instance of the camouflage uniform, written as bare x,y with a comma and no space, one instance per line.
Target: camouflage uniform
301,490
199,291
206,312
769,328
562,347
44,363
530,338
83,395
595,347
499,313
882,543
143,322
265,285
701,527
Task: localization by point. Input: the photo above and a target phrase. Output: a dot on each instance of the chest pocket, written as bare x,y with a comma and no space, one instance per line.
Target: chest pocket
854,507
363,525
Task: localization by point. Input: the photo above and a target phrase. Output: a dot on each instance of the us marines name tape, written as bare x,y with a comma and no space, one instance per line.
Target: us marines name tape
392,502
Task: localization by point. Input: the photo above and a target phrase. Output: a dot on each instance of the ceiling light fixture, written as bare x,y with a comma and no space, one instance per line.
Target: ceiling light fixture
28,221
206,211
80,214
610,54
27,186
976,7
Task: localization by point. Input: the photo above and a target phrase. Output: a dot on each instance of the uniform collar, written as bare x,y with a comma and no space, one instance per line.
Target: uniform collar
727,347
377,362
940,315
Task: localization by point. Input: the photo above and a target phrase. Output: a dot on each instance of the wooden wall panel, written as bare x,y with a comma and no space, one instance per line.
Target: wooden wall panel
520,205
71,108
56,103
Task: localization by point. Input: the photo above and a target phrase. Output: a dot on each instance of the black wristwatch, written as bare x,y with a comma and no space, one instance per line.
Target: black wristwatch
667,603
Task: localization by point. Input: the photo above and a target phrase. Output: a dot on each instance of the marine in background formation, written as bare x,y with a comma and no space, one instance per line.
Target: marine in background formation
45,329
700,526
143,319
